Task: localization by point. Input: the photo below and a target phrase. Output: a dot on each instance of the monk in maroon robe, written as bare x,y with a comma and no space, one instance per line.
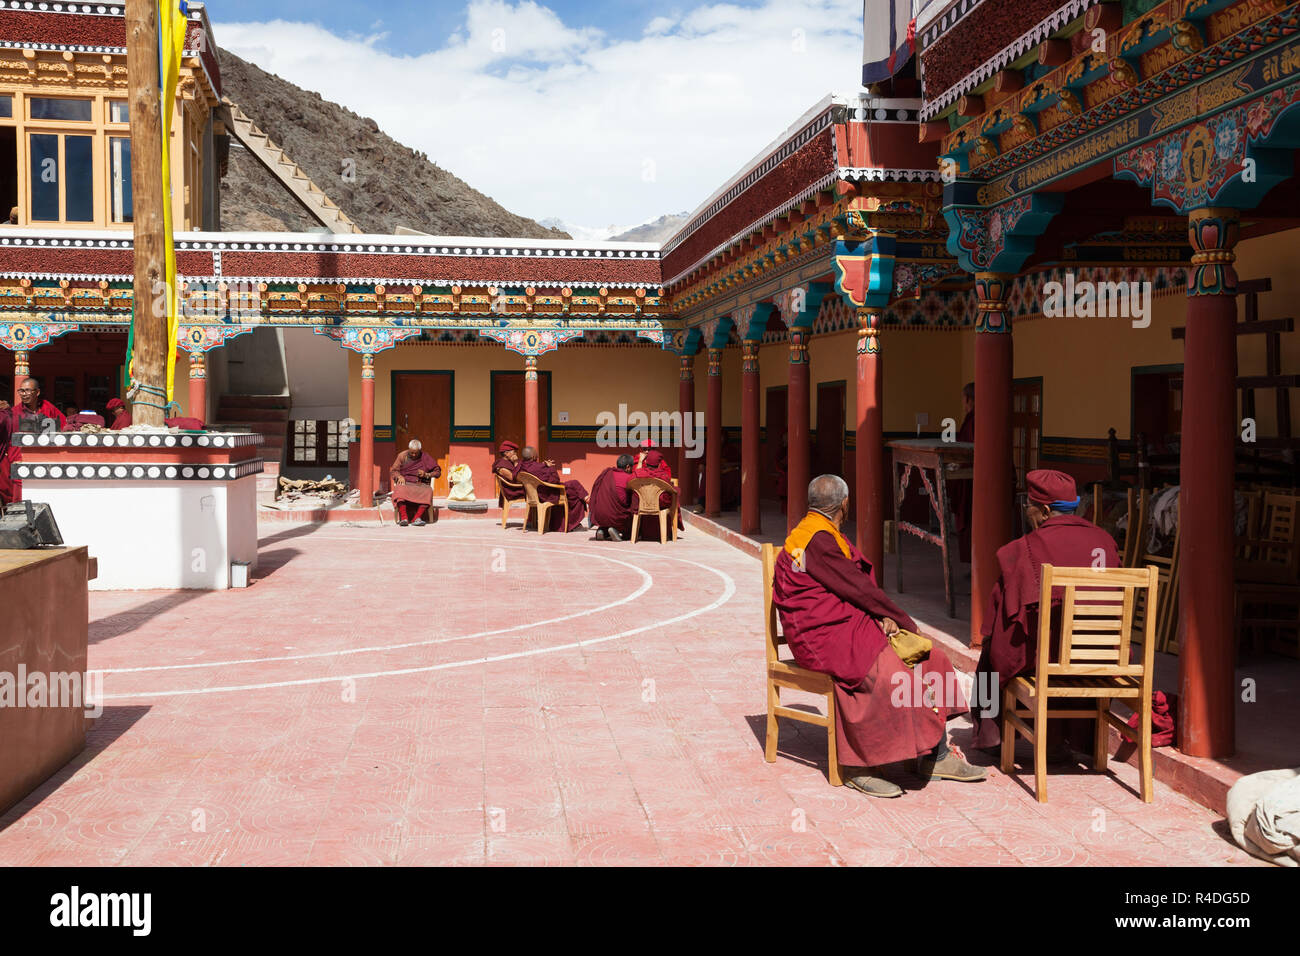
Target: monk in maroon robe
507,461
838,621
1011,623
961,491
28,415
653,465
611,501
411,478
6,489
574,491
121,415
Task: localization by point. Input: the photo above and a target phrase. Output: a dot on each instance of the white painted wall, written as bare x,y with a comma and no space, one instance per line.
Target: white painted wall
156,534
318,375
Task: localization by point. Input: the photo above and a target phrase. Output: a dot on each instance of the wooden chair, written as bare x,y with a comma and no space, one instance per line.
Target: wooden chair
1138,529
648,492
1096,625
503,480
1267,576
784,673
538,507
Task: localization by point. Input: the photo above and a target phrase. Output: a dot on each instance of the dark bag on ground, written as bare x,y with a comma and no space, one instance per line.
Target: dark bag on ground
27,524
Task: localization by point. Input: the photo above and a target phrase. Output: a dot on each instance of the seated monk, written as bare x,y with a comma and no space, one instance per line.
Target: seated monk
573,490
121,415
412,476
838,621
1011,624
507,461
611,502
653,465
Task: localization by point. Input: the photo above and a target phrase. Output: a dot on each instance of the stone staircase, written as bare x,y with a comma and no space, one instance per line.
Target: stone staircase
268,416
288,172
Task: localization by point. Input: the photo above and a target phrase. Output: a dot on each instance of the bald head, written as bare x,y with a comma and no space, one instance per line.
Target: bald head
826,493
529,453
415,445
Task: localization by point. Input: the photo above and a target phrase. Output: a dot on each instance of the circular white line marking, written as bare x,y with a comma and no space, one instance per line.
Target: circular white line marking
646,583
729,591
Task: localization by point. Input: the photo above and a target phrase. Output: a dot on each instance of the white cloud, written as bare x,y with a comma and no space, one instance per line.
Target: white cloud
556,119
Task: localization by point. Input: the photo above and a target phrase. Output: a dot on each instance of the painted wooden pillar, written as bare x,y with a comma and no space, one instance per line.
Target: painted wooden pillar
870,496
1206,659
22,368
713,437
199,386
991,512
686,476
750,468
366,466
532,426
797,401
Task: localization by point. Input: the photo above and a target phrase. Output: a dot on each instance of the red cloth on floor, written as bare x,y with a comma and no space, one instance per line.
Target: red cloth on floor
1164,708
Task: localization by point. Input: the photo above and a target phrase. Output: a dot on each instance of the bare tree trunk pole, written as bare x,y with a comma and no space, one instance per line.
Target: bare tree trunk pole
150,318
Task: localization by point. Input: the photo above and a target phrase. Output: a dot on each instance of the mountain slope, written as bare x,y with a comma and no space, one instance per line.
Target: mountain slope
392,185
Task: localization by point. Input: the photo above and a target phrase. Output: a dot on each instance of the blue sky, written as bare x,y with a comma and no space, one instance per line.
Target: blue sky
600,113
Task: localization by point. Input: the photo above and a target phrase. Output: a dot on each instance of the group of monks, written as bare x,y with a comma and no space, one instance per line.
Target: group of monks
609,506
838,620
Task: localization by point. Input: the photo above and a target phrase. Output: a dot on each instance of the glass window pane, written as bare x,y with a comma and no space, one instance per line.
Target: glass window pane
59,108
119,179
79,178
6,106
45,177
119,111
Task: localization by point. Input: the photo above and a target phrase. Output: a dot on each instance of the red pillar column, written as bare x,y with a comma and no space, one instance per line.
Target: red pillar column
366,467
532,427
991,510
798,466
1206,659
713,433
21,370
870,497
199,386
750,468
686,400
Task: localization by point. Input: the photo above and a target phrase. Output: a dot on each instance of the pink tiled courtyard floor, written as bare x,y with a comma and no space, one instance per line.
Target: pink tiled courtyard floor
463,694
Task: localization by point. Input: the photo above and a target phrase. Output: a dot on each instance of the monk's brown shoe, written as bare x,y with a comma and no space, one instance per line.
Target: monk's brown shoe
873,786
403,523
951,767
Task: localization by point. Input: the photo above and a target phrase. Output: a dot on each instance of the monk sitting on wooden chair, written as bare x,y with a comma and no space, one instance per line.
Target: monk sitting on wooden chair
412,479
894,690
1063,540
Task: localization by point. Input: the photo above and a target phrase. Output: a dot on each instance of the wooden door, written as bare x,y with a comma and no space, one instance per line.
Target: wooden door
1026,427
422,410
508,422
777,412
828,455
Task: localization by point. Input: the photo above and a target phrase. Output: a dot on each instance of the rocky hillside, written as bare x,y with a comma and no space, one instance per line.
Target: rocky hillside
660,230
394,185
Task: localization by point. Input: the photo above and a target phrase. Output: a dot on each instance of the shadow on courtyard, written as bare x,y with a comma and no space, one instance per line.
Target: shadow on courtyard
104,731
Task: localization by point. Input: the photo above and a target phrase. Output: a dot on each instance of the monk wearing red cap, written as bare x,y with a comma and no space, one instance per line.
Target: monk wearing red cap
838,621
1060,539
121,415
508,461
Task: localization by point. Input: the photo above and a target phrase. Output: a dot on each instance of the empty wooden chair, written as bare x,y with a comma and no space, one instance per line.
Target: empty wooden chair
1093,662
538,507
1268,576
648,492
1138,529
784,673
503,480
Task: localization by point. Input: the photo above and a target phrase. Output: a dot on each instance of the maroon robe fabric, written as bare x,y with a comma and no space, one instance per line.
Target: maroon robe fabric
653,465
573,491
829,612
611,502
6,489
185,423
84,418
1011,621
15,417
509,494
414,489
120,421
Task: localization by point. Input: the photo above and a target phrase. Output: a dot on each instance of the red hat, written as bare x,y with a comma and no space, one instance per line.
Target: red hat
507,446
647,443
115,403
1047,487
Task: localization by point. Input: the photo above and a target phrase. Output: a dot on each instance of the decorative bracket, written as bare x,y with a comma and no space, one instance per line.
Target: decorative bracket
531,342
368,341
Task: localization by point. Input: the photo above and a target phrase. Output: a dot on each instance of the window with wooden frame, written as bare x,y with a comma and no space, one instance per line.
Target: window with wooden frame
318,444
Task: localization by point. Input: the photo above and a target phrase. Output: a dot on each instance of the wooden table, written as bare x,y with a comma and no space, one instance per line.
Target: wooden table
929,455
